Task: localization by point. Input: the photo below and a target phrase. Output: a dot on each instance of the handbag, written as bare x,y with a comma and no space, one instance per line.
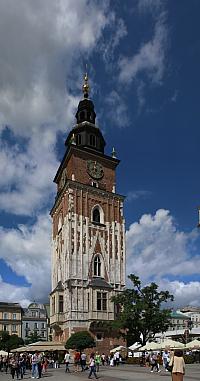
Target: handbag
169,367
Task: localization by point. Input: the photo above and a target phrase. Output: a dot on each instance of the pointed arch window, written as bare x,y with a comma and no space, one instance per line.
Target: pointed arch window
97,266
96,215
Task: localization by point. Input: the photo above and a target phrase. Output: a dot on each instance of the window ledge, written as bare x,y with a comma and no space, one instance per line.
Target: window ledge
98,224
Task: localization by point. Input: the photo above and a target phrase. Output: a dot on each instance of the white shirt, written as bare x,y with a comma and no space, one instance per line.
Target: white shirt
67,357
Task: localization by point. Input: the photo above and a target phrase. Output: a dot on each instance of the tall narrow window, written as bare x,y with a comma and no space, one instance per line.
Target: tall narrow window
93,140
96,215
97,266
78,139
53,305
101,301
60,307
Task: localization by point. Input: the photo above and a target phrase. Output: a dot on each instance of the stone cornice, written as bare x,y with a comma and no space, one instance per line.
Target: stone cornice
86,188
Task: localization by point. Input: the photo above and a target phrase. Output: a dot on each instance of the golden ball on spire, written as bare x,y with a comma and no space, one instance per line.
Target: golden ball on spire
86,87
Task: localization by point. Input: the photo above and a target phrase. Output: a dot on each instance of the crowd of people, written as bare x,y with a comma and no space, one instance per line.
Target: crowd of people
37,363
18,365
172,361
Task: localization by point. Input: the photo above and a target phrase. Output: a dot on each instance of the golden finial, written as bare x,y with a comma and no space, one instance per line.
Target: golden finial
86,87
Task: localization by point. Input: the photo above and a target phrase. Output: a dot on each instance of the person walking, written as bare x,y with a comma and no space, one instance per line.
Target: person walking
34,362
92,366
67,357
83,361
165,359
97,361
14,367
103,359
154,363
77,358
178,366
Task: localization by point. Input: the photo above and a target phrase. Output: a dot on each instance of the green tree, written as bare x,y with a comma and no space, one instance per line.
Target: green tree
33,337
9,342
141,315
80,341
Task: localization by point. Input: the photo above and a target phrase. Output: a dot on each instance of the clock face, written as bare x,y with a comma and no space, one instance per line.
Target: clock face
95,169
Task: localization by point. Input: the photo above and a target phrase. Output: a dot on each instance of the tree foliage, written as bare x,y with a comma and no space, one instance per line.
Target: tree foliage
141,314
9,342
80,341
108,328
33,337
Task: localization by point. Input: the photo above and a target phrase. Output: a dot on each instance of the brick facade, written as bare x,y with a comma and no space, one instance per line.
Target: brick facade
88,238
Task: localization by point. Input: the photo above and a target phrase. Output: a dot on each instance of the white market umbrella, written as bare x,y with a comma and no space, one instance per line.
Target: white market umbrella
150,347
3,353
118,349
134,347
172,344
194,344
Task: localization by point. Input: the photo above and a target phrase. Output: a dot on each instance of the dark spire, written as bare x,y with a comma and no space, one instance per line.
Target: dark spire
86,134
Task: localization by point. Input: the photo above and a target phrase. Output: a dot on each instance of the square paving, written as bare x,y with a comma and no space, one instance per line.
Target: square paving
123,372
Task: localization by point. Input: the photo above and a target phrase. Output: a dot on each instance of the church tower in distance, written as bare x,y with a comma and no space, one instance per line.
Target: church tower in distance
88,253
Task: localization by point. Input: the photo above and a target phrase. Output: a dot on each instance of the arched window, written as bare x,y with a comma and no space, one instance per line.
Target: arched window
97,266
96,215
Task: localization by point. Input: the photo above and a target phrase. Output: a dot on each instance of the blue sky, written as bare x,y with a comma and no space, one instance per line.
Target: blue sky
143,61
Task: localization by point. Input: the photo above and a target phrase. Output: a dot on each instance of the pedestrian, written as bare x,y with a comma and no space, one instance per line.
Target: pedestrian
44,364
34,362
92,366
77,358
165,359
40,360
103,359
154,363
83,361
66,359
117,356
178,366
112,359
97,361
14,367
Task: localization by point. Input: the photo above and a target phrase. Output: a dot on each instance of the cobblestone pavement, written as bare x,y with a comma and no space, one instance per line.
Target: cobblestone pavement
122,373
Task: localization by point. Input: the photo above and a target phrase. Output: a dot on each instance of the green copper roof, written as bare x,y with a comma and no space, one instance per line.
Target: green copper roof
176,315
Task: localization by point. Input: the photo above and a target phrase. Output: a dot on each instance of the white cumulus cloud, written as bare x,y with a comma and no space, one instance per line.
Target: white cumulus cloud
157,250
27,250
149,60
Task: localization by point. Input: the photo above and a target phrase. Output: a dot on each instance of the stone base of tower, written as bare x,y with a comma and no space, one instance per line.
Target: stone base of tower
103,344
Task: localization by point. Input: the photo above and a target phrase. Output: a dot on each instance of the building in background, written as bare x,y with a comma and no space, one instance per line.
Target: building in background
179,321
89,256
35,322
193,313
11,318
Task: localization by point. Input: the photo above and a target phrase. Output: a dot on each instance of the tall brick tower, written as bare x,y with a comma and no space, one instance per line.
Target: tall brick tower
88,254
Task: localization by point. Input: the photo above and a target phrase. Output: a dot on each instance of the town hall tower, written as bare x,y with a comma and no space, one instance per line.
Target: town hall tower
88,238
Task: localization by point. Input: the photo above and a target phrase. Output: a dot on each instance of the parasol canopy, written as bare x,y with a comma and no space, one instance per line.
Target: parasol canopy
171,344
150,347
3,353
118,349
194,344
